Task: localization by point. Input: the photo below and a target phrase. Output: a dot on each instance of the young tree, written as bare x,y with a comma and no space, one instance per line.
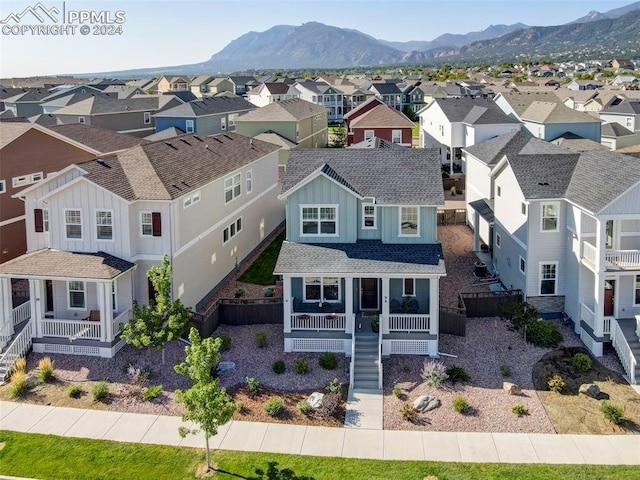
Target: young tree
208,405
162,321
339,138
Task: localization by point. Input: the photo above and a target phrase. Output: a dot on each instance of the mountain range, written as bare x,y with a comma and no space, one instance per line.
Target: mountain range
314,45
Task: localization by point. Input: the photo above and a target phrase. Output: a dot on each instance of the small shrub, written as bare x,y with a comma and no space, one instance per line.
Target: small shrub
518,314
409,412
556,383
334,386
268,293
240,293
505,370
452,190
543,333
331,404
612,412
328,361
397,392
278,367
582,362
274,406
520,410
240,407
74,391
457,374
460,404
459,190
253,385
139,373
304,407
433,373
225,342
100,391
405,367
19,384
152,392
20,365
260,339
300,366
45,369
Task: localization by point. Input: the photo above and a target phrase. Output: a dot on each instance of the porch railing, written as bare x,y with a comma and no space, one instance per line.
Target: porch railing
6,332
622,259
408,322
121,319
606,326
318,321
21,313
17,349
72,329
589,252
625,354
352,365
588,316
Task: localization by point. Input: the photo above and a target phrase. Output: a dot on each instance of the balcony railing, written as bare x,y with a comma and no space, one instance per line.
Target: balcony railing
21,313
589,252
623,259
588,316
408,322
72,329
318,321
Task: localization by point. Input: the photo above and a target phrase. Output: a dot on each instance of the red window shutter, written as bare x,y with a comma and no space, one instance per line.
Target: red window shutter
157,224
39,220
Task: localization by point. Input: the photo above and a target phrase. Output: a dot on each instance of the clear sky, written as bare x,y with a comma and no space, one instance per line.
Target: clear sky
163,33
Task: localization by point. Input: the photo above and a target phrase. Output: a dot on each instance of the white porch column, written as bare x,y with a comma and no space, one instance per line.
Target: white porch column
384,324
35,291
434,303
101,291
599,276
287,299
6,302
348,303
476,231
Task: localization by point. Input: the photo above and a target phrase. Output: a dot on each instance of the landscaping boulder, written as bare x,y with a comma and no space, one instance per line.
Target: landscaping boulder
224,366
511,388
315,399
425,403
590,390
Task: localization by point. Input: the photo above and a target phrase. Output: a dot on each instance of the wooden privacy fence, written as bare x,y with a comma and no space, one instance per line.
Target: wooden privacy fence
453,321
487,304
452,217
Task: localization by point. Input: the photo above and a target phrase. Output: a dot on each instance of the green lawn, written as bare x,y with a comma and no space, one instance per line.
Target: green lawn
415,131
261,271
48,457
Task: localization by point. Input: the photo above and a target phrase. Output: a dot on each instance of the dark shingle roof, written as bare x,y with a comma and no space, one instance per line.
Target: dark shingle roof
361,257
208,106
473,111
96,138
376,142
629,107
284,111
386,88
382,116
543,176
392,176
614,129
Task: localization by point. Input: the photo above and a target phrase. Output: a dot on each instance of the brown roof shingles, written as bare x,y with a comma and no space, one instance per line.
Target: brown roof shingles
96,138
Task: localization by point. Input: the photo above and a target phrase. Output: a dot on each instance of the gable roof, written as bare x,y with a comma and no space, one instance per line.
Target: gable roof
472,111
207,106
357,110
392,176
96,138
544,107
382,116
12,130
543,176
386,88
615,130
375,142
32,95
97,105
576,143
627,107
285,111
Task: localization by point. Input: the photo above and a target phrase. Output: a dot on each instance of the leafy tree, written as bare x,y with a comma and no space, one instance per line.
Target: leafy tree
208,405
339,138
163,320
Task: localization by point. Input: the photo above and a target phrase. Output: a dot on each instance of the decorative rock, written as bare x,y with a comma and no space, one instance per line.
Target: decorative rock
511,388
224,366
315,399
425,403
590,390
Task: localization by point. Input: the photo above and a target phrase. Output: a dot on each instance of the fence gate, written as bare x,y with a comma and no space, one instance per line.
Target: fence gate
452,217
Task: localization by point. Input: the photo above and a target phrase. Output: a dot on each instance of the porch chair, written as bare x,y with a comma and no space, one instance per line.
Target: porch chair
94,316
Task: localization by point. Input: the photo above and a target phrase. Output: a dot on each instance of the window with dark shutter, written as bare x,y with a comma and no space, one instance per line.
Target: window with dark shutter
39,220
157,225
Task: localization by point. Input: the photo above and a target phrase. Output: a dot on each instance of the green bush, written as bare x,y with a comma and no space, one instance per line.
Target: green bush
582,362
334,386
253,385
409,412
45,369
520,410
225,342
300,366
460,404
240,293
260,339
518,314
556,383
405,368
304,407
268,293
278,367
543,333
328,361
433,373
74,391
397,392
612,412
274,406
19,384
100,391
457,374
505,370
152,392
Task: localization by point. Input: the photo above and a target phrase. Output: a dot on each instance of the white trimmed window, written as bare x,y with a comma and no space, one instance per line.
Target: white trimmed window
396,136
319,220
114,297
321,289
523,265
409,287
45,219
232,230
81,120
26,179
191,199
548,278
232,188
104,225
3,186
147,118
549,217
498,240
409,221
637,291
73,224
369,215
189,126
76,295
146,224
249,180
368,134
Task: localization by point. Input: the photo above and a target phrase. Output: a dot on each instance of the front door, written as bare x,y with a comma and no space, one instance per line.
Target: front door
609,290
369,293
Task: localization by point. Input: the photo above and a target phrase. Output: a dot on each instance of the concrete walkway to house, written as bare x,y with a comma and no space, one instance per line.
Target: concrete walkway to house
364,409
325,441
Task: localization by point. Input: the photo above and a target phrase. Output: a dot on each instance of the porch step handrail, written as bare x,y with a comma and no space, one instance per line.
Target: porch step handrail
352,366
380,359
6,332
623,349
17,349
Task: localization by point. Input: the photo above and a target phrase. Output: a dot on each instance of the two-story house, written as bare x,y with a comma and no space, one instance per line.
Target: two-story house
205,202
266,93
325,95
625,113
358,246
389,93
376,119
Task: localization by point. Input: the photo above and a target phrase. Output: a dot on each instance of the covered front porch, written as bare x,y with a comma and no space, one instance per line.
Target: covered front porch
77,301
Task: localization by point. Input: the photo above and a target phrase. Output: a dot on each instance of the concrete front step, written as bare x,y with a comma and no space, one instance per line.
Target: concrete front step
366,385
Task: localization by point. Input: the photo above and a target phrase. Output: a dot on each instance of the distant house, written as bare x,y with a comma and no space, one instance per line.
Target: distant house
325,95
220,85
267,93
26,104
622,64
242,84
615,136
376,119
625,113
199,85
389,93
583,85
625,80
301,122
178,83
207,116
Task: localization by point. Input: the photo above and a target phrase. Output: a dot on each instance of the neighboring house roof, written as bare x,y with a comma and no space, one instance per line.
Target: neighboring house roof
33,95
376,142
576,143
184,95
207,106
626,107
242,80
164,134
361,257
96,138
72,98
122,91
615,130
166,170
387,88
276,139
392,177
381,116
201,80
357,111
12,130
100,105
8,92
472,111
285,111
484,208
543,176
277,88
45,120
544,107
631,150
55,264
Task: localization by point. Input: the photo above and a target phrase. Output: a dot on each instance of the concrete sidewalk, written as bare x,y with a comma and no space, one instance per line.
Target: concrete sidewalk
324,441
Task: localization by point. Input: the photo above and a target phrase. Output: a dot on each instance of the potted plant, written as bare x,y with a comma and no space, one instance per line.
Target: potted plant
375,324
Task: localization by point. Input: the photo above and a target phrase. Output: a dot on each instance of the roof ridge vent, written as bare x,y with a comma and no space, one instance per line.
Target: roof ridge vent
169,144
